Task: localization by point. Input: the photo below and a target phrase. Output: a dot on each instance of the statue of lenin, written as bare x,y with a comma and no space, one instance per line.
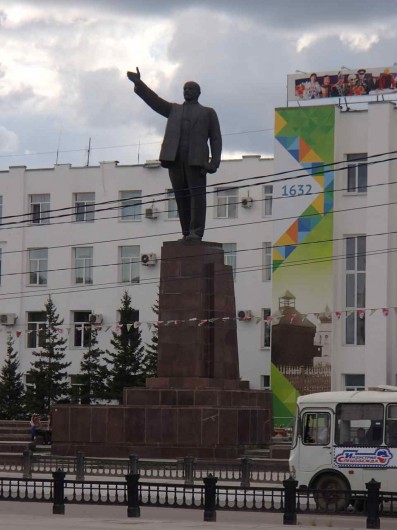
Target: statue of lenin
185,151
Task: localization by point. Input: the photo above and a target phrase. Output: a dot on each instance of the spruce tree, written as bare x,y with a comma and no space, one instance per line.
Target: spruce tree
48,372
12,391
92,371
151,350
125,362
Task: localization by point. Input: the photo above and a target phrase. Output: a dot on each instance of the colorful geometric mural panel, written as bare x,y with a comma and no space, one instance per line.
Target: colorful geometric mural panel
302,254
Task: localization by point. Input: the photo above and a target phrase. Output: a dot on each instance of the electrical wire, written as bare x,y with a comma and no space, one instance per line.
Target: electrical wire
230,184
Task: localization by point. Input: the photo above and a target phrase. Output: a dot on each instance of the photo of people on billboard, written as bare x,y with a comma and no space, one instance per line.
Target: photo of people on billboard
374,81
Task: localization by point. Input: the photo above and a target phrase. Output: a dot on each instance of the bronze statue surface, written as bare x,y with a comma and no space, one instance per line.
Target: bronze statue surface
185,150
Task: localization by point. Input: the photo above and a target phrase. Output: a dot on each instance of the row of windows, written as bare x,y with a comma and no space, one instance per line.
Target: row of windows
82,323
226,203
128,262
226,199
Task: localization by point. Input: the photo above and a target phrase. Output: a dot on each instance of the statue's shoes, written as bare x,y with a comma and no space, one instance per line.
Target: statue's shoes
192,237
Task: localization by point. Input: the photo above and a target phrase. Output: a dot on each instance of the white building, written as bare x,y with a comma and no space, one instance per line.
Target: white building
89,250
65,232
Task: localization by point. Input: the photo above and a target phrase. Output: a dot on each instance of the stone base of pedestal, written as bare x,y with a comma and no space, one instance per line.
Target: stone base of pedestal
167,423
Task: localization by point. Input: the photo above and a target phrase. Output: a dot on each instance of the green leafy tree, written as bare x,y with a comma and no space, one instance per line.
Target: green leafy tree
12,391
92,371
151,349
125,362
48,372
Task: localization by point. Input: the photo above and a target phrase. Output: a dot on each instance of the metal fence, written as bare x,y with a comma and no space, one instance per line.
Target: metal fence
189,470
207,496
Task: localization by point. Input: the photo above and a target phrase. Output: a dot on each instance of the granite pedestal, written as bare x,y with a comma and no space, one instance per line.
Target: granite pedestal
197,405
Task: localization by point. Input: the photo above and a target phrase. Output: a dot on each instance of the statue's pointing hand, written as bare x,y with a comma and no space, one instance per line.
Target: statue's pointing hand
134,76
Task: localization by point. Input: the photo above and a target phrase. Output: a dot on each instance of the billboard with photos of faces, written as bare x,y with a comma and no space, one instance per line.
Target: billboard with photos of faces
343,83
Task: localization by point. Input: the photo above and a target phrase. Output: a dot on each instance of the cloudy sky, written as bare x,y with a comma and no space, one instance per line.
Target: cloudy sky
63,68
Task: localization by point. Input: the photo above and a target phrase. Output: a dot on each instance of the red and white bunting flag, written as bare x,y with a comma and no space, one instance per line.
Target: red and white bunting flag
385,311
371,312
269,318
202,322
107,328
316,315
160,322
177,322
338,314
149,325
18,333
257,320
361,313
292,317
137,325
59,330
193,319
98,328
224,319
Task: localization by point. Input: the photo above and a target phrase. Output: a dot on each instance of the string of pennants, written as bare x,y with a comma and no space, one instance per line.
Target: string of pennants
271,320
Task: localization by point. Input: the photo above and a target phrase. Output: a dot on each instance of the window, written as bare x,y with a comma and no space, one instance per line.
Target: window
355,289
267,261
131,205
39,208
82,329
267,192
36,329
359,424
172,209
83,259
391,425
357,173
38,266
265,382
316,428
29,382
230,254
266,329
226,203
354,382
84,207
130,263
76,383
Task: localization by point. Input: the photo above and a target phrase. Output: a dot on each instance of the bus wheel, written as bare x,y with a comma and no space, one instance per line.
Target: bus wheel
333,493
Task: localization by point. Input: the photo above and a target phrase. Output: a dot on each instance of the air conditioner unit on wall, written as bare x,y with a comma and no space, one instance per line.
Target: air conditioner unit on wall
96,318
149,259
244,314
246,202
151,213
8,319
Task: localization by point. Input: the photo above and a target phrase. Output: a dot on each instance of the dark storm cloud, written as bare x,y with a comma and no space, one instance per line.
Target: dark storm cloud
286,14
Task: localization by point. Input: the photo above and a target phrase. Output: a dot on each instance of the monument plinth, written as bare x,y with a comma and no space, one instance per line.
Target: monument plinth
197,405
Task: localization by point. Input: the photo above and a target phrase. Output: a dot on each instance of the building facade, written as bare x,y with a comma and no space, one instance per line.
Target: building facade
86,234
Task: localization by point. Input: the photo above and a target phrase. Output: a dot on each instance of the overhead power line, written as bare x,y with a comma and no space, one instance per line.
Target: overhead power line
228,184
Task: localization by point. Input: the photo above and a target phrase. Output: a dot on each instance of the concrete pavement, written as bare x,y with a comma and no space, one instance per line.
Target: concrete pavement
35,516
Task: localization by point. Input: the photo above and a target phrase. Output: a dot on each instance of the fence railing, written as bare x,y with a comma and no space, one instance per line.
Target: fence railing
244,471
208,496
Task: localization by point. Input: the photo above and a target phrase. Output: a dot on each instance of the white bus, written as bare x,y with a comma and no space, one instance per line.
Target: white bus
344,439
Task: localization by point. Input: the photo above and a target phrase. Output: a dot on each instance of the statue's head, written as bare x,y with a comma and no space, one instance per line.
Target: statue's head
191,91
